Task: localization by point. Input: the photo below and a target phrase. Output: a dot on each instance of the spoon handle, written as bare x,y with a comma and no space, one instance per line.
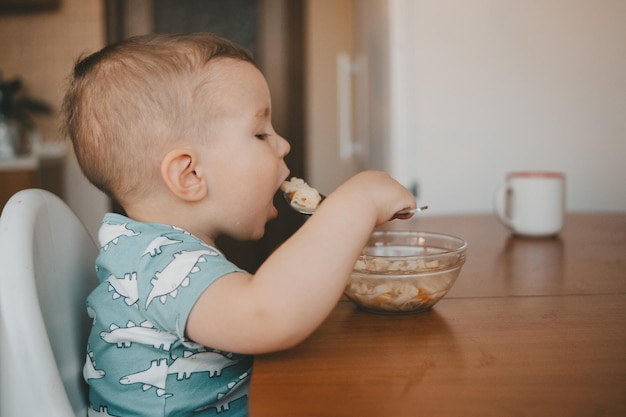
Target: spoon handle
407,214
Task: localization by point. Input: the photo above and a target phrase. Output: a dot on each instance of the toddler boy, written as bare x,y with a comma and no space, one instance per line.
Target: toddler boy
177,129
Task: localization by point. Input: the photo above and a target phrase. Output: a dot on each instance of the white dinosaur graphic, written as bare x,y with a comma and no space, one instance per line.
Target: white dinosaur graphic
124,287
145,334
176,274
235,391
153,377
191,344
92,314
181,230
190,363
97,413
89,370
111,233
154,248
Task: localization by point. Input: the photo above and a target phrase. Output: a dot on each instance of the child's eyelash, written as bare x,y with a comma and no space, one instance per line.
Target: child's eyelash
262,136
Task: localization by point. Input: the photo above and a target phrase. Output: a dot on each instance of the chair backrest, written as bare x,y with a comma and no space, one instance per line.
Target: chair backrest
46,272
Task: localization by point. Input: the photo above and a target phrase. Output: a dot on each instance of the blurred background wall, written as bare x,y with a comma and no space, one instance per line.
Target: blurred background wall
450,95
40,48
478,81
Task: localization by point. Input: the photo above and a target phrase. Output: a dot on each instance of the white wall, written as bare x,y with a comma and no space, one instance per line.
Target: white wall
494,86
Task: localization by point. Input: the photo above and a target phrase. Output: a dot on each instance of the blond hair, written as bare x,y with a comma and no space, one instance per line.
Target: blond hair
127,102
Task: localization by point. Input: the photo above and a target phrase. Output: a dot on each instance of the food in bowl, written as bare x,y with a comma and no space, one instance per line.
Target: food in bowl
405,271
300,194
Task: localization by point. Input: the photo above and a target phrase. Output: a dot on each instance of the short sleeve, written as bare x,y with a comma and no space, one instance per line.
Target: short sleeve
176,269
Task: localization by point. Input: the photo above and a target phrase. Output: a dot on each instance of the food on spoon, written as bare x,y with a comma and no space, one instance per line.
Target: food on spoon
301,195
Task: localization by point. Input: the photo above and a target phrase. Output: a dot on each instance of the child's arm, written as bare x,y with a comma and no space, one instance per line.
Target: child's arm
299,284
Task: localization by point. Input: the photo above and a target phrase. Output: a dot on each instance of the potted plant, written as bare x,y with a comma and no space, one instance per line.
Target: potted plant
16,121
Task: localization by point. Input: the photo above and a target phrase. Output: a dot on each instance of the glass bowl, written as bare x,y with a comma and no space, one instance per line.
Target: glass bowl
405,271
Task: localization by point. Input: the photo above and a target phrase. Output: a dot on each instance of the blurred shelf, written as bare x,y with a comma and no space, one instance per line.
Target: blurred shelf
43,169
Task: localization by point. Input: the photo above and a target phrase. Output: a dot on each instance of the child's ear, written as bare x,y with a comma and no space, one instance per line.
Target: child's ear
183,175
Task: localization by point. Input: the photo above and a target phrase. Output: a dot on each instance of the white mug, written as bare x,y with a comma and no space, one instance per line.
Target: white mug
532,203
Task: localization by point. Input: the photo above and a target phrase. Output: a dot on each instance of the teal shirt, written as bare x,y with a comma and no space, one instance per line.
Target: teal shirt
139,362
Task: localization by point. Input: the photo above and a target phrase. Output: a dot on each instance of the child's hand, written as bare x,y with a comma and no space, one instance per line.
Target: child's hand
373,193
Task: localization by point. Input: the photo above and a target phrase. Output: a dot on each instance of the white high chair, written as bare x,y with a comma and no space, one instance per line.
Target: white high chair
46,272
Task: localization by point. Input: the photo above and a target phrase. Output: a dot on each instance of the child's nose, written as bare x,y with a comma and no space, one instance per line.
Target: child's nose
283,147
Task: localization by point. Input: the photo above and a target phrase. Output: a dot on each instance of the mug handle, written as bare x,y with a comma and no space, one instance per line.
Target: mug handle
500,205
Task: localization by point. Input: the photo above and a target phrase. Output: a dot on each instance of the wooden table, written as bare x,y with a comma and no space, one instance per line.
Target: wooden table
532,327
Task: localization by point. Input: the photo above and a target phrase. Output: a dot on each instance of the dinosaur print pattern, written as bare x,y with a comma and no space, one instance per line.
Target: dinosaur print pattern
102,412
153,377
154,248
145,334
191,363
137,356
176,274
112,234
225,398
89,370
125,287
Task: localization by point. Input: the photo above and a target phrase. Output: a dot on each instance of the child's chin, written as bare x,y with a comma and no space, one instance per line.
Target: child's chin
257,236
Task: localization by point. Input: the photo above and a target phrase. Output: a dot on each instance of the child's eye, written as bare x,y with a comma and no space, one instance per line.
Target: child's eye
262,136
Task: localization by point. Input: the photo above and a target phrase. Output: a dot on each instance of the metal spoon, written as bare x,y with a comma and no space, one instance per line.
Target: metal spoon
407,214
402,214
